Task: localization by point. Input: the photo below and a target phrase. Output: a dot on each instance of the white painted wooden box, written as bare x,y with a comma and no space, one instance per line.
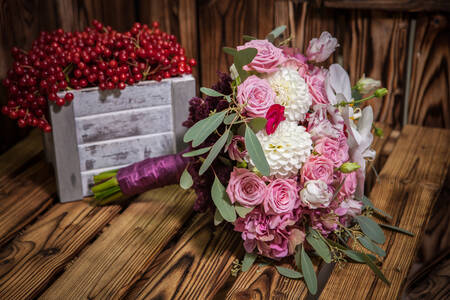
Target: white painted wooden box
105,130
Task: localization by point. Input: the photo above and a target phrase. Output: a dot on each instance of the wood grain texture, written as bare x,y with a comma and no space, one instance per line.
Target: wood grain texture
222,23
409,184
33,259
429,103
374,43
198,266
116,260
401,5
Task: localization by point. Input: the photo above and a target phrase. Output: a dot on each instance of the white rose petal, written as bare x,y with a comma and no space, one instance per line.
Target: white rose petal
315,194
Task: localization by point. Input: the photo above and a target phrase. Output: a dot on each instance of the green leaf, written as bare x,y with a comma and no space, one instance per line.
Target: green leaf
395,228
338,189
211,92
337,245
255,151
257,124
289,273
374,268
242,211
202,129
229,50
308,272
217,217
186,180
248,38
357,256
275,33
196,152
221,201
242,58
367,243
247,262
228,119
371,229
215,150
319,245
229,139
368,203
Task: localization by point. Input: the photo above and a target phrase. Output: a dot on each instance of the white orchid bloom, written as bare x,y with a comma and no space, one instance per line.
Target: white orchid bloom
337,85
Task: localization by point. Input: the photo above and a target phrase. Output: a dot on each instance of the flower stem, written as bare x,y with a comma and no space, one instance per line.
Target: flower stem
355,101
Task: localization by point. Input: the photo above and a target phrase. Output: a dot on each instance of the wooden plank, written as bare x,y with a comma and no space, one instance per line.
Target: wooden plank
409,184
374,43
33,259
223,23
429,103
198,266
29,193
114,262
401,5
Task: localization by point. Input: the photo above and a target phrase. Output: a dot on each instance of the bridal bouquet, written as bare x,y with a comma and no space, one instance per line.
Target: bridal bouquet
278,148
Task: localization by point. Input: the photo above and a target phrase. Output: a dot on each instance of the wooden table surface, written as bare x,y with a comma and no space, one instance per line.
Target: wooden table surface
157,247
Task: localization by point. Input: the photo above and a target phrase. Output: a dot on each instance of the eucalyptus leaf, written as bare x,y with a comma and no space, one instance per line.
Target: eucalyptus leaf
371,229
229,50
308,272
202,129
229,119
256,152
367,243
368,203
186,180
197,152
229,139
247,262
215,150
217,217
375,269
275,33
289,273
211,92
242,58
248,38
358,256
319,245
337,245
221,201
398,229
242,211
257,124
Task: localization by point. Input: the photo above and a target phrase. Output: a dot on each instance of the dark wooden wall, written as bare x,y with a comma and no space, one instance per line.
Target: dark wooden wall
373,35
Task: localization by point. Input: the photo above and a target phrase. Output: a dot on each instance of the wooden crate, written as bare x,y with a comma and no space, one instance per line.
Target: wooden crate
104,130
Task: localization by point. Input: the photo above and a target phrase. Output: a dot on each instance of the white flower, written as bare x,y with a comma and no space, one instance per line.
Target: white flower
315,194
337,85
286,149
366,85
319,49
292,92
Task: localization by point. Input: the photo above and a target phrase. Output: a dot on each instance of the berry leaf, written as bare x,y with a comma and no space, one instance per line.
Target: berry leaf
222,202
202,129
256,152
186,180
308,272
196,152
316,241
289,273
371,229
247,262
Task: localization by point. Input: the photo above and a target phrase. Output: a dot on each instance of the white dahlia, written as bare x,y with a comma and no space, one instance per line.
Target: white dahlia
292,92
286,149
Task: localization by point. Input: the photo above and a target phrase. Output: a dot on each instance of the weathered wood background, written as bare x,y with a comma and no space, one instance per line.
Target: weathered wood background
373,35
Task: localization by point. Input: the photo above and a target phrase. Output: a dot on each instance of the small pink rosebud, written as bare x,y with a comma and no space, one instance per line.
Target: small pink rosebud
236,149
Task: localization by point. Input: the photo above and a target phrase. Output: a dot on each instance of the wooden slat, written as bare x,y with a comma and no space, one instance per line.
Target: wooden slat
403,5
198,266
429,103
374,43
409,184
115,261
34,258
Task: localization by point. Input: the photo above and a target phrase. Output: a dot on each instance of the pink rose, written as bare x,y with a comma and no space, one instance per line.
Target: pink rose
246,188
256,95
273,235
236,149
332,149
317,167
349,207
349,187
316,86
320,49
267,59
281,196
274,116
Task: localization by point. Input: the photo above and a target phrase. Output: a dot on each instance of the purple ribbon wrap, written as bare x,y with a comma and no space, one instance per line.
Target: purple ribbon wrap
151,173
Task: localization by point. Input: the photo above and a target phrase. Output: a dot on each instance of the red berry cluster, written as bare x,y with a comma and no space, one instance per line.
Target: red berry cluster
98,56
